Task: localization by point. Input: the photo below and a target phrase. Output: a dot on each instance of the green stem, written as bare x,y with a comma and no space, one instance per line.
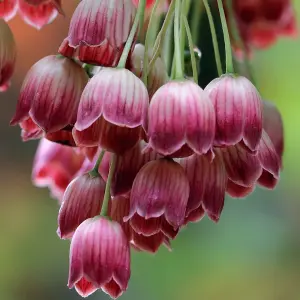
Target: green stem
178,70
229,60
104,209
191,47
160,37
185,7
196,17
214,37
167,49
95,171
236,35
147,42
139,17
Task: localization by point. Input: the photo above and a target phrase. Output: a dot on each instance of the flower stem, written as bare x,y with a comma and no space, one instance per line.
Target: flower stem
191,47
104,209
147,42
95,171
178,62
139,17
214,37
229,60
196,17
238,39
160,37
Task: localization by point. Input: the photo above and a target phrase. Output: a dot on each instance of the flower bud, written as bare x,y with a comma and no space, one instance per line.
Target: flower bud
99,30
181,117
55,166
238,108
99,258
111,112
50,93
82,200
8,55
158,75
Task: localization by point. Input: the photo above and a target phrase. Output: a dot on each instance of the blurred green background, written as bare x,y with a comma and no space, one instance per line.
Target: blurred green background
253,253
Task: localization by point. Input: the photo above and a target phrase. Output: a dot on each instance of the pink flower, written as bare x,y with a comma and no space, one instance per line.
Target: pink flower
55,166
112,110
8,55
181,120
8,9
127,167
158,75
50,94
120,206
99,30
82,200
208,180
39,13
99,258
263,22
36,13
238,108
159,198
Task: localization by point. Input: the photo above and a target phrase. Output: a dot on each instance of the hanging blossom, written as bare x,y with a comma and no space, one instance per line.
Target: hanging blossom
135,151
36,13
262,22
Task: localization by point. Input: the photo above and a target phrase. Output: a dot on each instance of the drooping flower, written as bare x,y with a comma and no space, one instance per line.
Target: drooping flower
50,94
8,55
181,120
127,167
99,258
55,166
82,200
159,198
8,9
158,75
39,13
262,22
120,206
112,110
208,181
99,30
36,13
238,108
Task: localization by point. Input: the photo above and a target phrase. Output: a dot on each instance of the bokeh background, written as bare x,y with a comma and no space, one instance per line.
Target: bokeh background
253,253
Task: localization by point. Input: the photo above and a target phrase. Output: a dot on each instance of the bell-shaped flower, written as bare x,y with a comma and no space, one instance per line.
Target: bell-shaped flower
8,9
82,200
208,180
238,108
55,166
50,94
99,30
127,167
159,198
8,55
39,13
99,258
112,110
158,75
181,120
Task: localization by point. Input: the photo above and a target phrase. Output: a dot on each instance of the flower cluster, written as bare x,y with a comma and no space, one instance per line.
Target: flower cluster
133,149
